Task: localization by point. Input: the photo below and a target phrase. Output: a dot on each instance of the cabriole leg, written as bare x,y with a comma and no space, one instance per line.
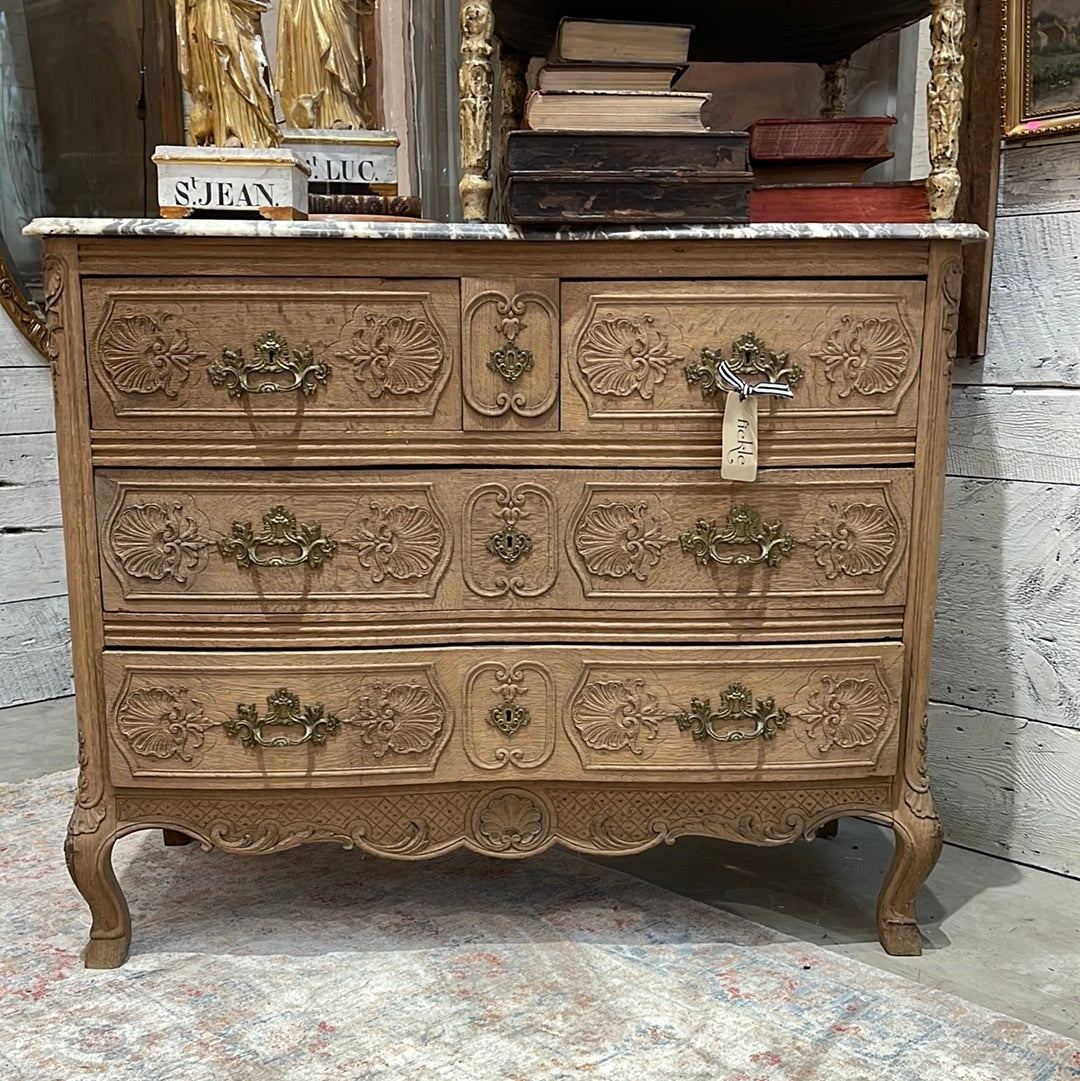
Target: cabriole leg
918,844
89,860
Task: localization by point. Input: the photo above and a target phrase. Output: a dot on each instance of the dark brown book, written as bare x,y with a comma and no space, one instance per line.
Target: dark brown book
607,110
769,174
906,202
544,199
849,138
566,77
685,154
586,40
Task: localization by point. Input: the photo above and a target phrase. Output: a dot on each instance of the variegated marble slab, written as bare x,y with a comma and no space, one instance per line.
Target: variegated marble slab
366,230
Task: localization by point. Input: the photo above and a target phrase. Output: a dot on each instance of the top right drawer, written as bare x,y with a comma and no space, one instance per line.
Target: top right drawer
644,356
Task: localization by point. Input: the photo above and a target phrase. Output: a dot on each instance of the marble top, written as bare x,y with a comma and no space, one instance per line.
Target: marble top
375,230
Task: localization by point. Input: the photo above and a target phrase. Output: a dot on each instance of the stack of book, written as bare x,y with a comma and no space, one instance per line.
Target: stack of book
609,140
813,170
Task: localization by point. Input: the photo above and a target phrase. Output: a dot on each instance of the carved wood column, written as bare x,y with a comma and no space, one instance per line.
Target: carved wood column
834,89
946,100
476,85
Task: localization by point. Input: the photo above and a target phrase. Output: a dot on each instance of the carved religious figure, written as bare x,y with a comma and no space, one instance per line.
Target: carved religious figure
224,68
320,66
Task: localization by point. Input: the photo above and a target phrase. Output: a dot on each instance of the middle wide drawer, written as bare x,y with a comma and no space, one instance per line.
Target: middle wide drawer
439,541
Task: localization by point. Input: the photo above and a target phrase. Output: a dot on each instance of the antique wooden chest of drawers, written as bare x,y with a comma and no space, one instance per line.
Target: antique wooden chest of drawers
413,538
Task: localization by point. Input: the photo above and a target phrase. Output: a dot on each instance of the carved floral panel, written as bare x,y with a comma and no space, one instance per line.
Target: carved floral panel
363,356
781,540
200,539
208,722
401,541
742,716
510,540
638,351
510,352
509,714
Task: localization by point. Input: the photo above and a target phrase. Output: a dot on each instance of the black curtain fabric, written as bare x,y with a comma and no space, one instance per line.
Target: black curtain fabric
807,31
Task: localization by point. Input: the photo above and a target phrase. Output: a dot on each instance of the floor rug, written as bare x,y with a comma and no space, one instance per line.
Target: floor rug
319,963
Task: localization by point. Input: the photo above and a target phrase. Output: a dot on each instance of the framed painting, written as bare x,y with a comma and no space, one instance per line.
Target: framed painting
1042,67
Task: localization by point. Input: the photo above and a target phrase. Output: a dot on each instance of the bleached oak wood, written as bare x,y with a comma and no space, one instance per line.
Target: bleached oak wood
31,563
591,674
29,491
1008,616
26,403
606,713
1015,434
1007,786
1033,338
422,541
35,650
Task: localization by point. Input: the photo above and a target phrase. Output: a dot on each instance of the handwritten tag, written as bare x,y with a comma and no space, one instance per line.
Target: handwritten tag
740,438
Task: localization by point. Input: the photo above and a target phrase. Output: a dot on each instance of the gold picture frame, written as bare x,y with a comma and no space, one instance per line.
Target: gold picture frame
1041,69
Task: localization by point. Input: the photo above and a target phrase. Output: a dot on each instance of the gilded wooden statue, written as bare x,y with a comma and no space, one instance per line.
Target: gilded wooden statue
224,68
320,66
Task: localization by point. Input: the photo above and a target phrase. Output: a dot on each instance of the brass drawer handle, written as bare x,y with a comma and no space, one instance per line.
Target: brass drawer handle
750,357
271,548
283,711
736,705
706,541
272,360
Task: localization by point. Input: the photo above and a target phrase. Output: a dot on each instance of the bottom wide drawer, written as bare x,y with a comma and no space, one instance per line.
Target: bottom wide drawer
387,717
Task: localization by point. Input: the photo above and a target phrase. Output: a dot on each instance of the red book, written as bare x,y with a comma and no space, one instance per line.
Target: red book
847,138
841,203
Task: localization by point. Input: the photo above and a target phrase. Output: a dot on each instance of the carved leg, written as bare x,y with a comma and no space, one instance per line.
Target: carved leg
89,860
834,89
945,97
918,845
476,84
175,839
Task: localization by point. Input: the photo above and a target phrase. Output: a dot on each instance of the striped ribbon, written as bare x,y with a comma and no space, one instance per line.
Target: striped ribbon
737,383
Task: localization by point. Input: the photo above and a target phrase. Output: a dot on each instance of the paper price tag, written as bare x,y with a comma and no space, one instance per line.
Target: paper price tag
740,451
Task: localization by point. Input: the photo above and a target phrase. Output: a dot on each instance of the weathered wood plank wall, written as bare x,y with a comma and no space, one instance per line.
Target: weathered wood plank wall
1005,725
35,654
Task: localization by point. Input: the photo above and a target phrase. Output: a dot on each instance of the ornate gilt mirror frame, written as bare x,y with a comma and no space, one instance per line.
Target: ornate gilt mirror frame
17,303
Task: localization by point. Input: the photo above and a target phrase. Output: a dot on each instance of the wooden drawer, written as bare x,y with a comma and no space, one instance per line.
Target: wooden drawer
634,360
495,540
543,712
510,354
281,355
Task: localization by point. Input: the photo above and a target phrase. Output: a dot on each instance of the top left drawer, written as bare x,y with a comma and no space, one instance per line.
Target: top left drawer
274,355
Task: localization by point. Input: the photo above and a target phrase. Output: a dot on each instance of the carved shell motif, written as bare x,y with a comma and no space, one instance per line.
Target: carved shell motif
846,713
162,722
395,354
613,715
866,355
156,541
405,718
617,539
147,353
860,538
510,821
624,355
401,542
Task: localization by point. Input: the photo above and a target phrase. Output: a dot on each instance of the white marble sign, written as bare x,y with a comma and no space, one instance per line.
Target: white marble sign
269,183
347,157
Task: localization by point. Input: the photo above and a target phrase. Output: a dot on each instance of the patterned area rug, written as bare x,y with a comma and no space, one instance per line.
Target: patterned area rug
319,963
